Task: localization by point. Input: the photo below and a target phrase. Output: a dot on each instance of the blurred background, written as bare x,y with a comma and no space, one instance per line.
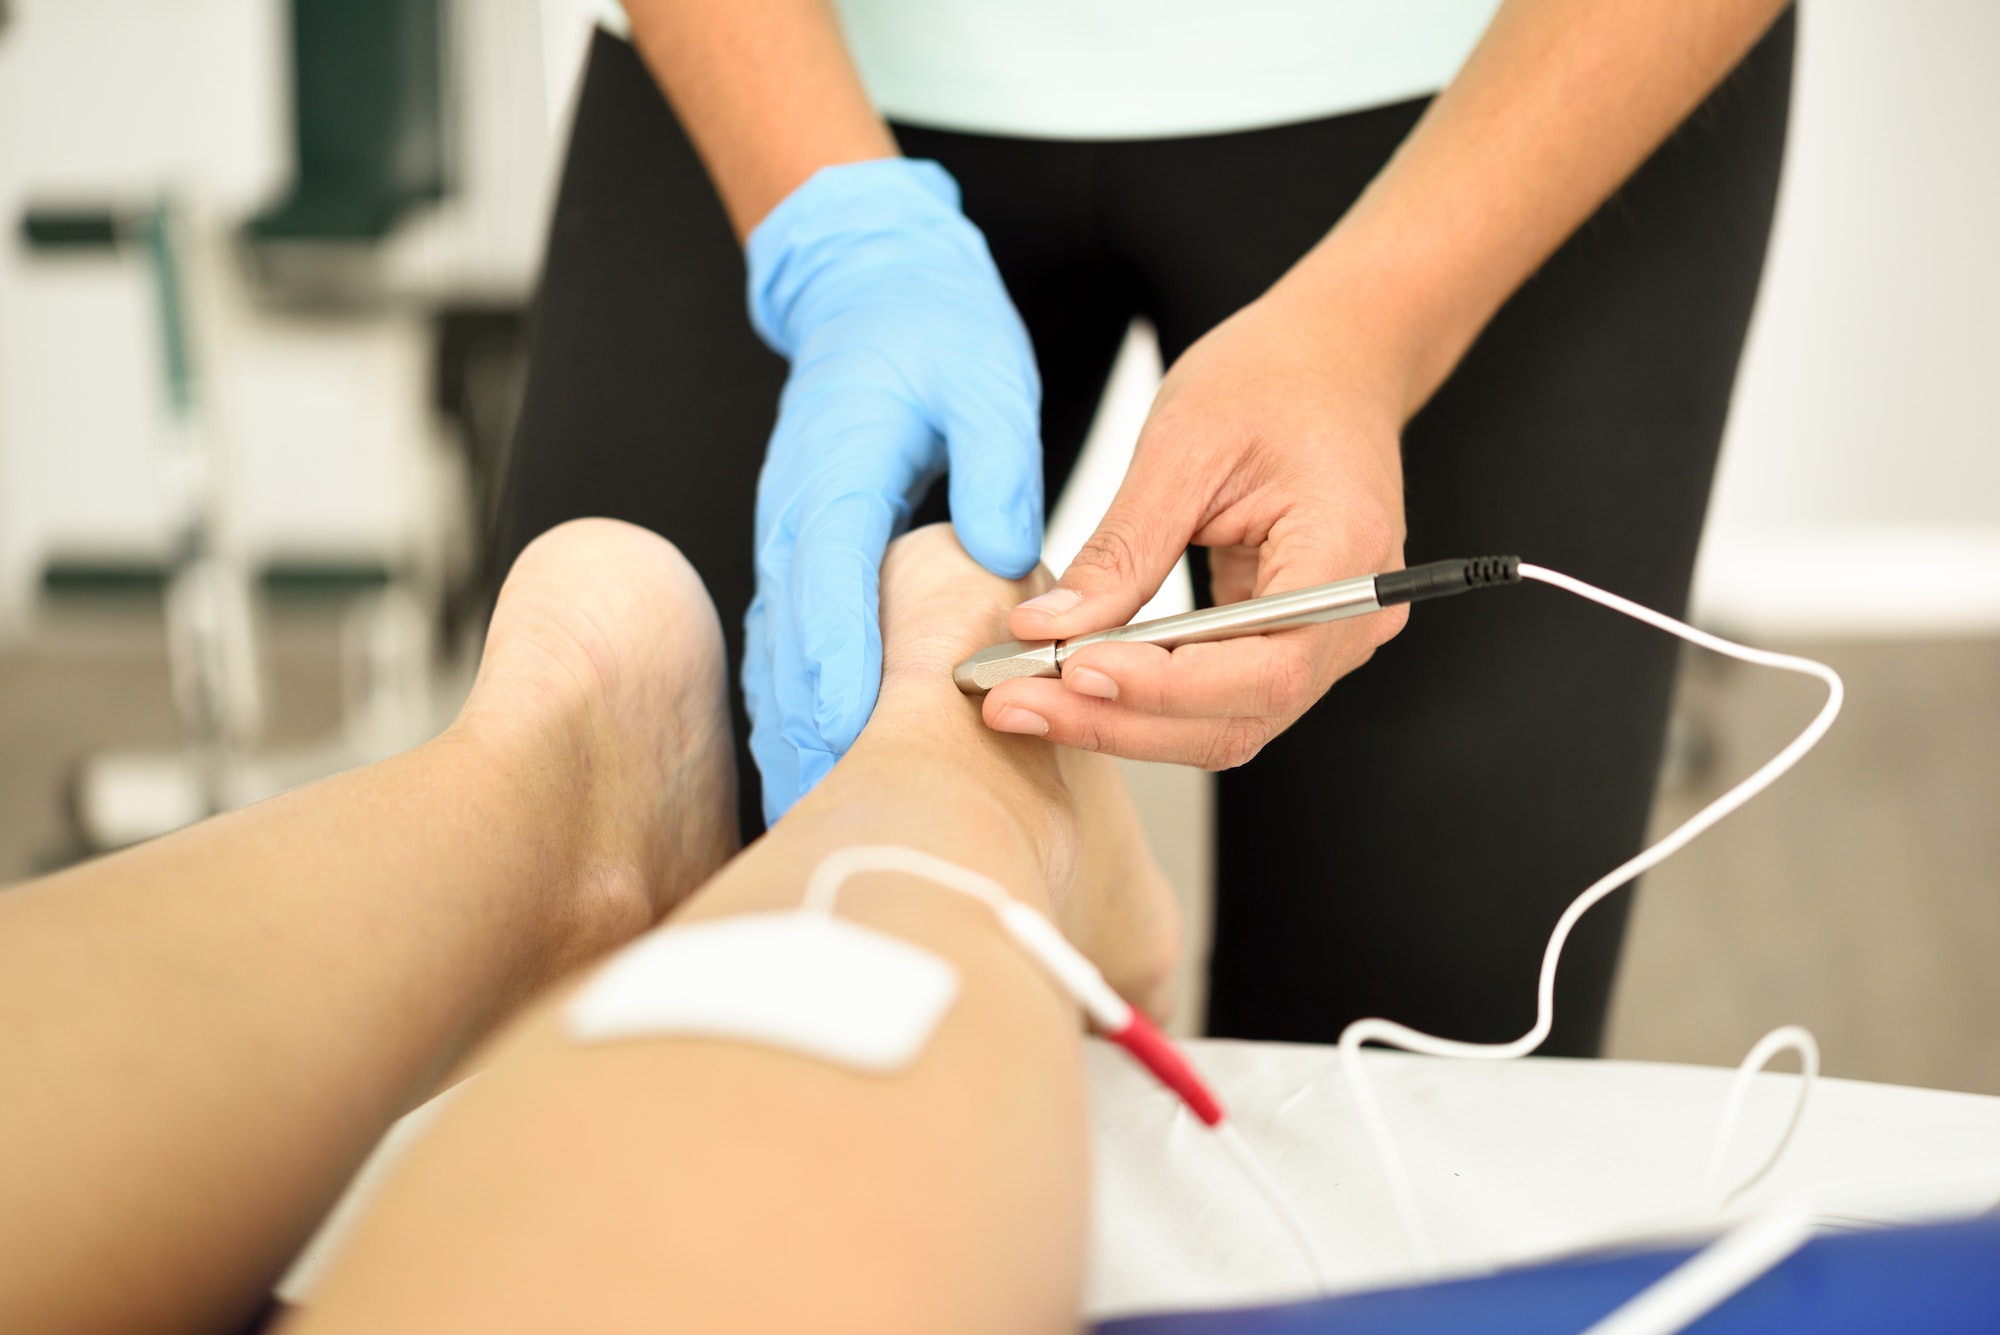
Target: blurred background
264,295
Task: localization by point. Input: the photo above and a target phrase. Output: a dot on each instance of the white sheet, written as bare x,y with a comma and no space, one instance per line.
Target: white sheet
1510,1160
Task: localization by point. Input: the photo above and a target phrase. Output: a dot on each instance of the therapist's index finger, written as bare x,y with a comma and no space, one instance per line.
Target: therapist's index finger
1278,675
1044,708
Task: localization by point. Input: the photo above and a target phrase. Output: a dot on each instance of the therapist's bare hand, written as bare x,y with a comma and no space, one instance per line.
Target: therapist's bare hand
1274,442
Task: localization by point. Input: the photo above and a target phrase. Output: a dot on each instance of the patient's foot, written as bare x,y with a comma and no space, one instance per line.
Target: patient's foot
938,606
603,679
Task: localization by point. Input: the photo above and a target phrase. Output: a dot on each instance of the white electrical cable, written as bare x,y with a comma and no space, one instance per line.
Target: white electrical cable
1402,1036
1710,1276
1043,942
1704,1280
1733,1261
1683,1295
1266,1186
823,886
1790,1037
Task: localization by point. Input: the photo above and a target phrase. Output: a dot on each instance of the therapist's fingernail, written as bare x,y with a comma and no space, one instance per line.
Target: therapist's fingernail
1055,602
1089,681
1015,719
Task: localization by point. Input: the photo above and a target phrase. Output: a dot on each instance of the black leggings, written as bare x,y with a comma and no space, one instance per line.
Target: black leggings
1405,848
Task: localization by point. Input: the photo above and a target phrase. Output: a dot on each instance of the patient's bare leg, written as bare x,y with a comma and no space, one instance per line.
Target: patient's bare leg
201,1037
678,1184
1112,899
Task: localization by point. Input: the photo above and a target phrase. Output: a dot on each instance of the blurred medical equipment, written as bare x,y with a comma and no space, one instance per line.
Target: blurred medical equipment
361,163
211,640
293,349
389,638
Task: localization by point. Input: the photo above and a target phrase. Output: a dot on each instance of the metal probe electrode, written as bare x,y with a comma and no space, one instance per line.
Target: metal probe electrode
1254,616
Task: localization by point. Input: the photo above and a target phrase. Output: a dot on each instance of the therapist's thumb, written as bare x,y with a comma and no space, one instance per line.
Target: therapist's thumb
1123,564
995,484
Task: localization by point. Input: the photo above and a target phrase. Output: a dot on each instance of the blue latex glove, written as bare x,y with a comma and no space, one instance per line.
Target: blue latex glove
907,356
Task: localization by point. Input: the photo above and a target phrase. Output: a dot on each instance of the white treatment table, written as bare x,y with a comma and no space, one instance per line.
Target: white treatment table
1510,1161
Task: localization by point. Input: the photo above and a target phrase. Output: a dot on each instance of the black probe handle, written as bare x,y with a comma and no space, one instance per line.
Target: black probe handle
1439,579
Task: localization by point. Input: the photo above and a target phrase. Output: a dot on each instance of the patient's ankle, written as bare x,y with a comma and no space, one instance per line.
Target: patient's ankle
937,607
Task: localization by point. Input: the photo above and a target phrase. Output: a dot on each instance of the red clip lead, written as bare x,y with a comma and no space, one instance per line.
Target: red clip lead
1153,1050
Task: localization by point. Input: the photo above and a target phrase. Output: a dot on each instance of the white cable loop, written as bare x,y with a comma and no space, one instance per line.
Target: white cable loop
1402,1036
1790,1037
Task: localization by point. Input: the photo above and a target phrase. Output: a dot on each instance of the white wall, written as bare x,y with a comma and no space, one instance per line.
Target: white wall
1860,485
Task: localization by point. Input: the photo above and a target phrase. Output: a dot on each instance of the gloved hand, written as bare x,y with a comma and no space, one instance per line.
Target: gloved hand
907,356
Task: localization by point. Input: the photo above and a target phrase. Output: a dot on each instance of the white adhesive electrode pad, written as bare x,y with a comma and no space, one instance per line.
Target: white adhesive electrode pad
804,982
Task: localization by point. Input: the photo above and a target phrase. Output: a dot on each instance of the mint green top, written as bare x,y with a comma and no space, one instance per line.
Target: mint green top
1143,69
1147,69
